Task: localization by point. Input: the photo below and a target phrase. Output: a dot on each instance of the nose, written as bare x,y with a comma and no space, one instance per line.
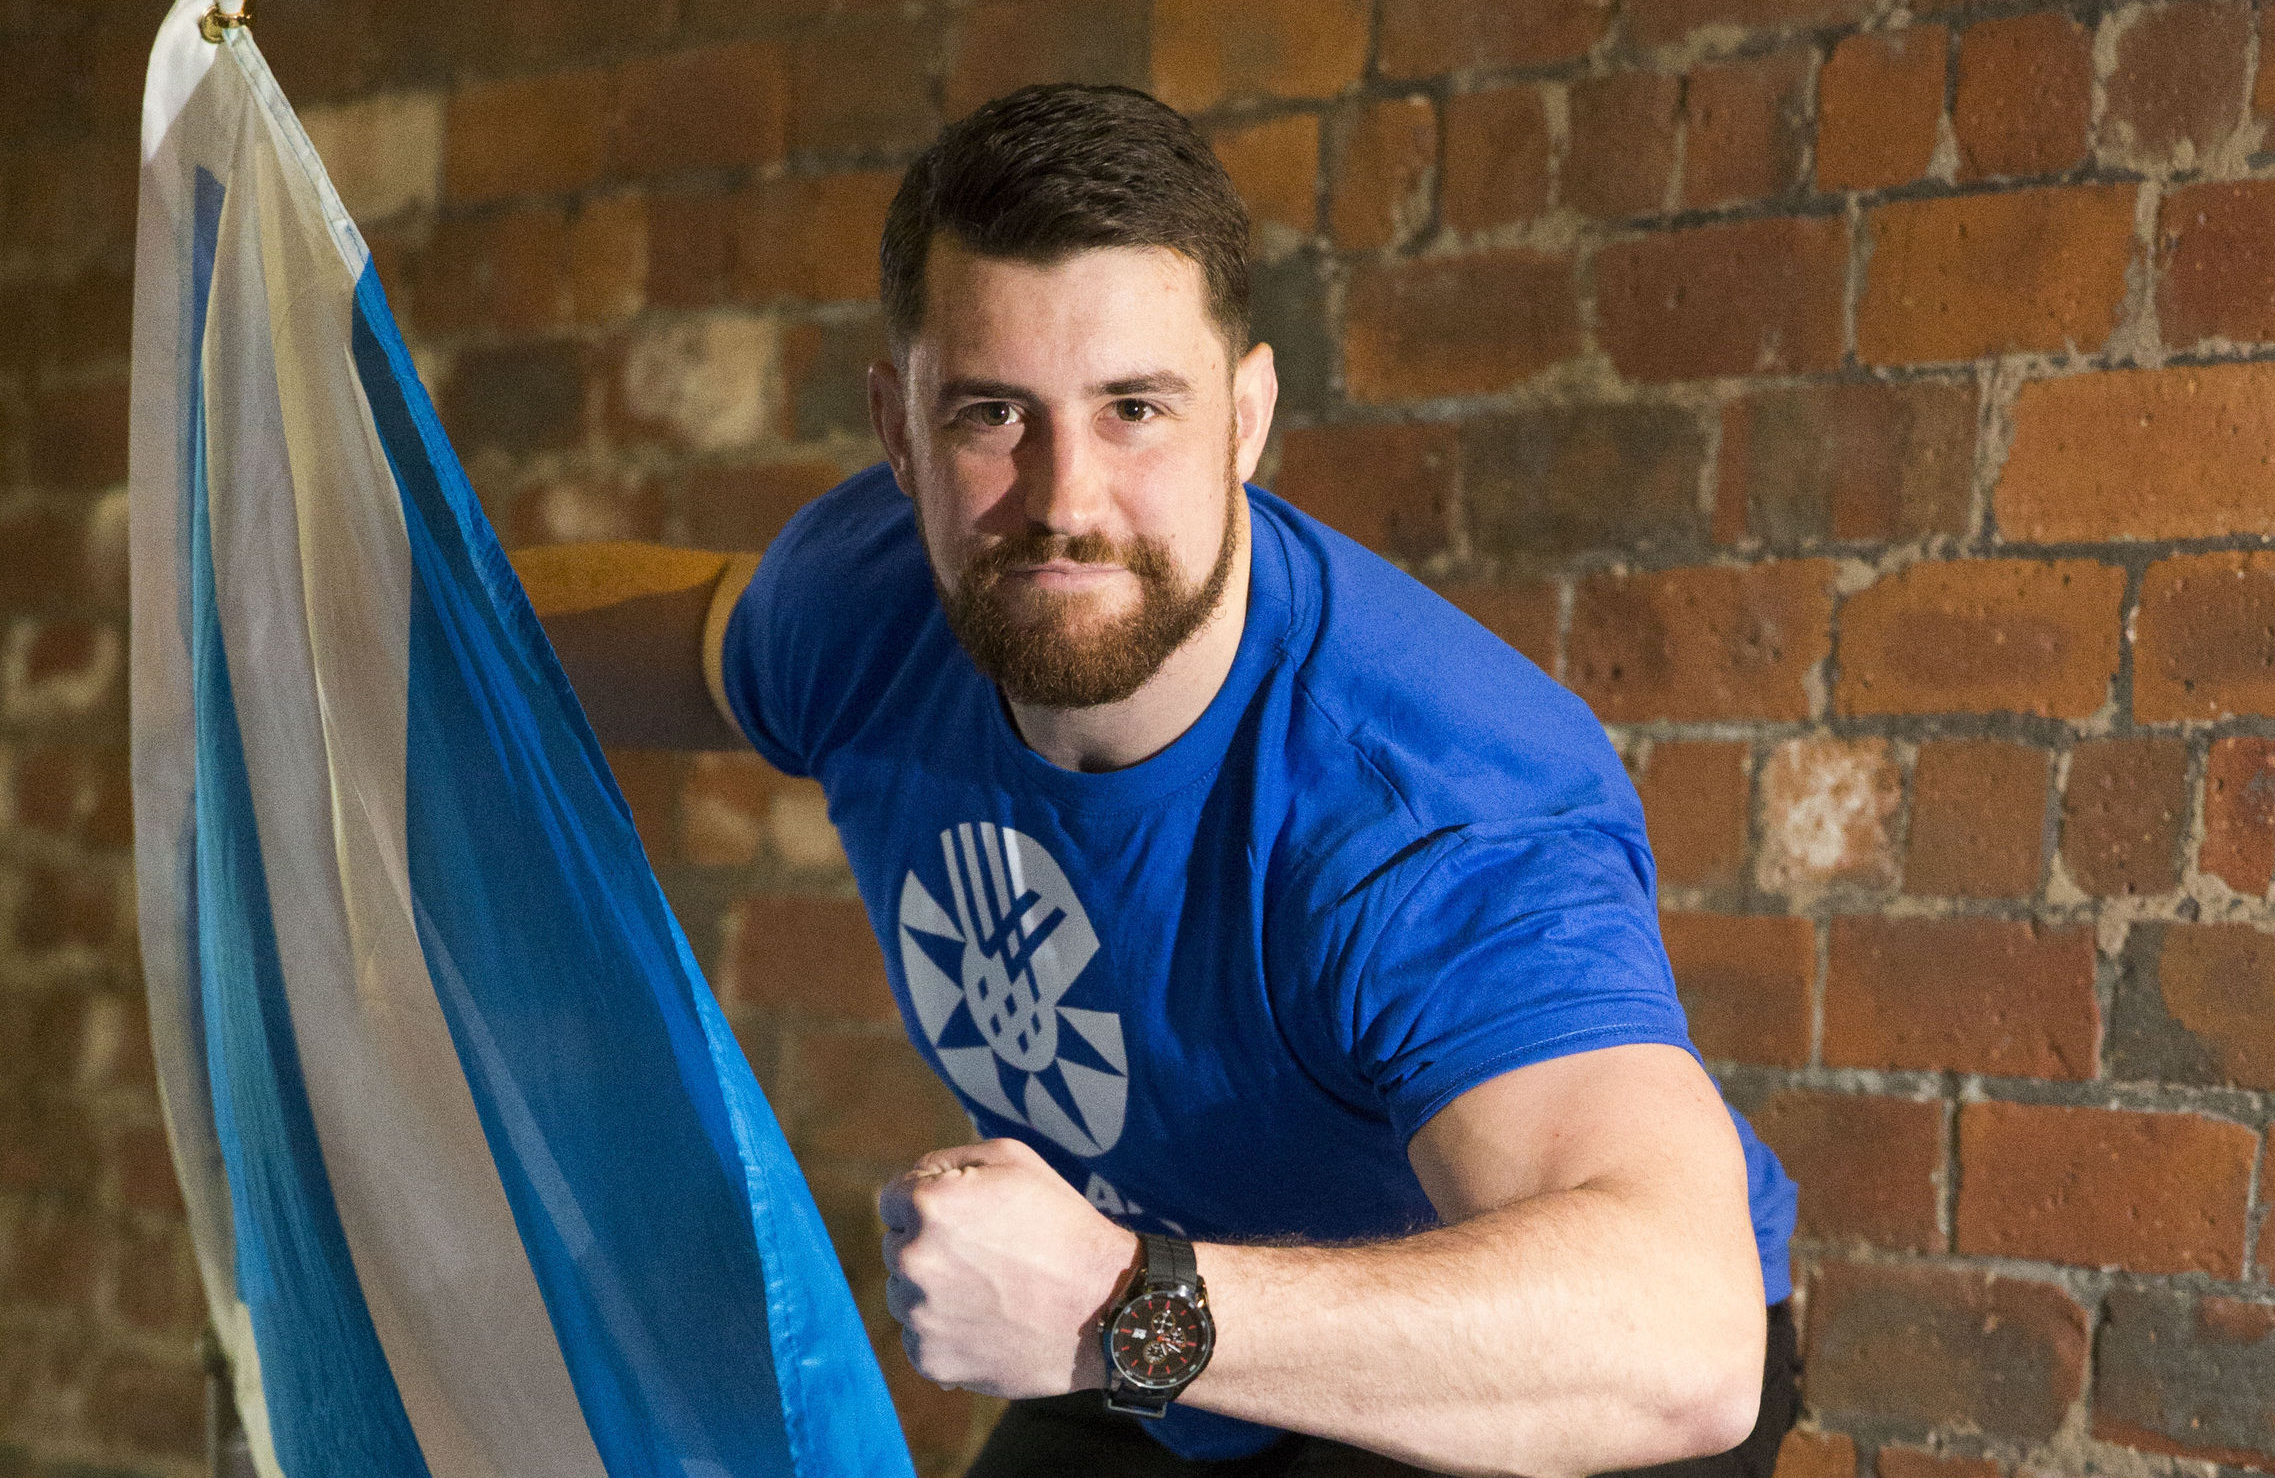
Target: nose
1062,479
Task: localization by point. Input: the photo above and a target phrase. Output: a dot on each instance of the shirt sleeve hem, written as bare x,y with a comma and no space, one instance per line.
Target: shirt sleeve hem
733,581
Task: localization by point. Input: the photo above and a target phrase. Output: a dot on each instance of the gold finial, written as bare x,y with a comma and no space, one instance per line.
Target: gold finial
216,22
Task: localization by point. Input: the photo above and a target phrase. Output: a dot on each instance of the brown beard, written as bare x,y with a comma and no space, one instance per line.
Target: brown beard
1030,648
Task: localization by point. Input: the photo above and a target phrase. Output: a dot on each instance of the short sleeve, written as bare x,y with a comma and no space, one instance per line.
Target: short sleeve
738,666
1503,951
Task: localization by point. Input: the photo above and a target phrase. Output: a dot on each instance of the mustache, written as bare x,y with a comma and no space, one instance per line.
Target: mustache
1035,547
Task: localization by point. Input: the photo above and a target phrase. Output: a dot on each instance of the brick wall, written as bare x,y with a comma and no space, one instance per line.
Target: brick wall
1868,412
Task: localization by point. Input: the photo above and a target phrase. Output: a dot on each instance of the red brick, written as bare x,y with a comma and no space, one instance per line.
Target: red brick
1749,297
1379,195
2216,263
1457,325
1978,820
814,239
1205,53
1929,1346
608,259
1912,1462
2212,1011
2147,1193
1389,487
53,1258
1828,816
860,83
77,792
810,956
1745,129
144,1165
1701,644
2177,91
578,512
1658,22
521,34
1879,100
1695,803
58,908
1423,38
1004,45
155,1288
2122,815
2141,454
2187,1373
519,398
501,273
709,108
2025,96
1745,983
691,248
1871,1169
724,808
526,136
1983,636
1542,484
148,1407
2206,638
1497,158
867,1097
826,366
2031,271
2239,815
2009,999
1620,152
743,507
1849,462
1275,166
46,1142
2263,84
78,435
1523,615
1807,1454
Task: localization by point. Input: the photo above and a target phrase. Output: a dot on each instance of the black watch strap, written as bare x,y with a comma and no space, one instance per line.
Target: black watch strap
1169,1262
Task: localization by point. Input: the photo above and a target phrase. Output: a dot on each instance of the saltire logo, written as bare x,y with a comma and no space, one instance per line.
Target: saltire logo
989,982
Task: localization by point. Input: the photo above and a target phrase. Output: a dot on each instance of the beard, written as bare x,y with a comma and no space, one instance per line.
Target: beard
1047,650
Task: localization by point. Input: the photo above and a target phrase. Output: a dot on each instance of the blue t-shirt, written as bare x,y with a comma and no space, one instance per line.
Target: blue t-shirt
1219,990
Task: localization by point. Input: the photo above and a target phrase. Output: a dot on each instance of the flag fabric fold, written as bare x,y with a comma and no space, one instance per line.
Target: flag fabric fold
480,1182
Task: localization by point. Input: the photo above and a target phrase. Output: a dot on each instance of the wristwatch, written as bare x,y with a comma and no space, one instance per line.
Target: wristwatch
1160,1336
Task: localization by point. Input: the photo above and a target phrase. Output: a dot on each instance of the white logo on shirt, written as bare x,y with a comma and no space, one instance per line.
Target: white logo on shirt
987,982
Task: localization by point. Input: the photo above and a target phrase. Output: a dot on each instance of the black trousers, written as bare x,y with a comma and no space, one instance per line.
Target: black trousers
1076,1435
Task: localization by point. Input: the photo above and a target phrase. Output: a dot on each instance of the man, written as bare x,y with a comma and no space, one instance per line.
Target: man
1250,897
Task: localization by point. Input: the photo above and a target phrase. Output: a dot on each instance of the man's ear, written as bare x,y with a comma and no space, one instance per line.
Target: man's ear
888,414
1255,392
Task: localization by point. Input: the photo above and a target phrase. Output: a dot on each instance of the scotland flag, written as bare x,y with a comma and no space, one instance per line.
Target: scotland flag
480,1182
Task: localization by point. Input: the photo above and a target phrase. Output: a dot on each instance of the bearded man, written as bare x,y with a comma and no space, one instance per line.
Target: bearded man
1290,940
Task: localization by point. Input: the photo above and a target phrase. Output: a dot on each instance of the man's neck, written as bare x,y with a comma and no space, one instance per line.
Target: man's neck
1114,736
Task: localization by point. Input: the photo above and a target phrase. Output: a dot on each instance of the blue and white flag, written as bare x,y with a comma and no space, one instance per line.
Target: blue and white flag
480,1182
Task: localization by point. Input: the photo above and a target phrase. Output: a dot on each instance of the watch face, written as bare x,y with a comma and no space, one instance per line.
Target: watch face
1158,1339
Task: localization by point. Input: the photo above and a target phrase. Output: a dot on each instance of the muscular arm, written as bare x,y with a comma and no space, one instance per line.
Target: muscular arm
628,623
1594,1301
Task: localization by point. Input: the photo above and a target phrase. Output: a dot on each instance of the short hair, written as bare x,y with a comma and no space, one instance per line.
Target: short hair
1047,171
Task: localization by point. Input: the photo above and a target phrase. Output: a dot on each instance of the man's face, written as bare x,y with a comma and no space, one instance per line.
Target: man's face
1074,439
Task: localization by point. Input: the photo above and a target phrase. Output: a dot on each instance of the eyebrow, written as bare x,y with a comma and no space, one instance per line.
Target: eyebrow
1155,382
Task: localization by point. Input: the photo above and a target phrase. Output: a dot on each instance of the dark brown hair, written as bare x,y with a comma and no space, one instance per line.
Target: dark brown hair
1047,171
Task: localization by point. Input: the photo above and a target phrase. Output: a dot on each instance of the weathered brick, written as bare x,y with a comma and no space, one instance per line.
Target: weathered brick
2123,812
1695,804
2195,1003
814,239
1423,38
1872,461
46,1142
2206,643
1745,984
707,108
526,136
77,437
75,791
149,1407
1913,1462
708,384
155,1288
691,248
1288,310
506,273
40,548
1275,166
1385,159
860,84
1523,615
1004,45
1457,325
2024,100
1828,816
2148,1193
1701,644
737,809
52,671
2177,91
1620,154
2216,263
1888,1197
1809,1454
808,956
1543,484
522,34
1982,636
826,368
1749,297
1929,1346
2181,1372
1389,487
1978,820
518,398
1658,22
2006,998
1745,129
1879,101
576,511
2141,454
866,1097
1205,53
1959,277
1496,158
608,259
2239,815
383,154
52,1261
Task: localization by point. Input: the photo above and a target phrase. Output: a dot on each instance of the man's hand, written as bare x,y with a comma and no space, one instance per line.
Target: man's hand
1000,1271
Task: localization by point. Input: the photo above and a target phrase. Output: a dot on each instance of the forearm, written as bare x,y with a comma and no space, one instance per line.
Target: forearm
1576,1332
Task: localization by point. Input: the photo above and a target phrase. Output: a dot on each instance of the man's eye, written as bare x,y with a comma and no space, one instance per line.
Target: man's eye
991,413
1135,410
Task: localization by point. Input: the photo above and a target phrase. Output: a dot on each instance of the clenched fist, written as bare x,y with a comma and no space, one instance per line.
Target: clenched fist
999,1271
